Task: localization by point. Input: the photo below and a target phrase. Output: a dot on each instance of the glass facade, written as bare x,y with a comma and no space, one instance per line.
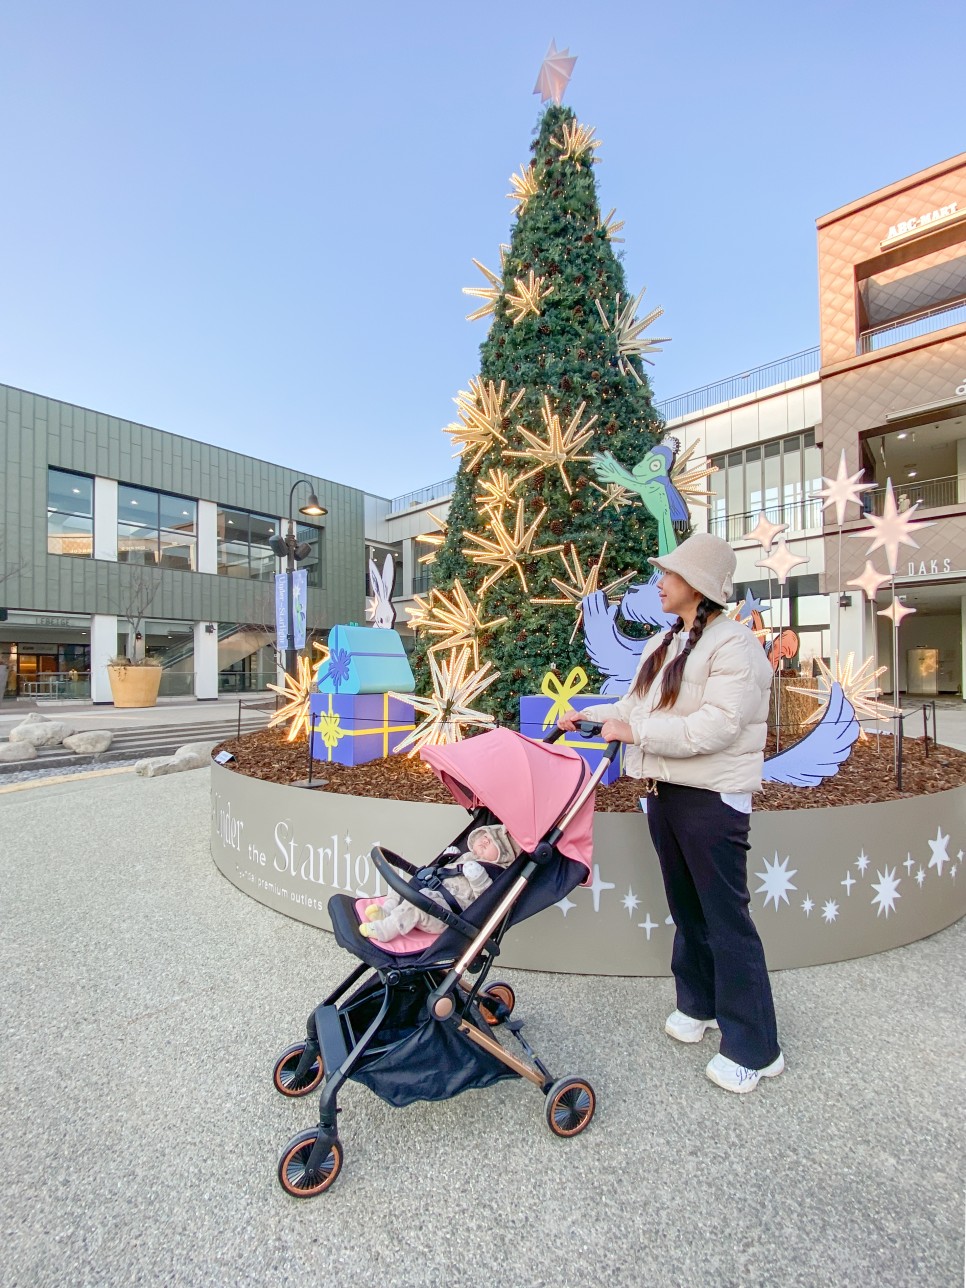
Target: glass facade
243,549
312,536
70,514
157,529
780,478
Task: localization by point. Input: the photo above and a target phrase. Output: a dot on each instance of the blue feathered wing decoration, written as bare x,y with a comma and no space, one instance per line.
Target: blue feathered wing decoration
820,753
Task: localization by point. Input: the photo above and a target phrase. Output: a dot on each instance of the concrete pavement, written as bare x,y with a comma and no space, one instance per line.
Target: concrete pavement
146,998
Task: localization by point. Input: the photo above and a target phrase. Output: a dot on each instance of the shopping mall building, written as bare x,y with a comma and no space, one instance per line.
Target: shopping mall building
95,506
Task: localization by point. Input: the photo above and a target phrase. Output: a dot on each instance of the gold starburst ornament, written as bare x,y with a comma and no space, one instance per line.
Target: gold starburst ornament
580,584
859,687
577,139
686,478
497,491
481,414
524,187
629,333
434,540
454,618
447,710
528,297
611,225
560,446
506,550
296,690
489,293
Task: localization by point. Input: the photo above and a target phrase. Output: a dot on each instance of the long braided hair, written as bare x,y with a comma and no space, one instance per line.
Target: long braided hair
671,680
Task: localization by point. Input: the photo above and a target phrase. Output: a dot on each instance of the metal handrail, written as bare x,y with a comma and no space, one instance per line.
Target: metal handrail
910,328
801,516
932,493
434,492
795,366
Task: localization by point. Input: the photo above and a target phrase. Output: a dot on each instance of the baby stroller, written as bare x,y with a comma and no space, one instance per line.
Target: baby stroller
417,1028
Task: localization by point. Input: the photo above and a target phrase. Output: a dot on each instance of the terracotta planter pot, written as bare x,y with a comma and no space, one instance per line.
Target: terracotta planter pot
134,686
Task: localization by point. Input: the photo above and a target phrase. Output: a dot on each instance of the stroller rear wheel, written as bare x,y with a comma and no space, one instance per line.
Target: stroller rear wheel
285,1075
293,1175
501,994
570,1106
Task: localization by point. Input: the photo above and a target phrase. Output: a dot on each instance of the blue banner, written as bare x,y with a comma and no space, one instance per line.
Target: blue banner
300,594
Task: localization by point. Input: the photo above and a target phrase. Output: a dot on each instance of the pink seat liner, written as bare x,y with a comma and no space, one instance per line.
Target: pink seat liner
416,941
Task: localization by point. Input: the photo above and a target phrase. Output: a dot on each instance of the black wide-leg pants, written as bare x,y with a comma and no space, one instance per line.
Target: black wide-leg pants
718,961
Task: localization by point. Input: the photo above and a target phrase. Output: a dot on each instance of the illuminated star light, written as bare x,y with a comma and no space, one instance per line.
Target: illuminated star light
686,478
456,620
489,293
895,612
887,891
505,550
781,562
555,73
776,880
497,490
433,539
582,584
527,298
561,445
577,139
764,532
611,226
524,187
447,709
296,690
481,415
870,581
628,332
615,494
843,490
892,528
859,687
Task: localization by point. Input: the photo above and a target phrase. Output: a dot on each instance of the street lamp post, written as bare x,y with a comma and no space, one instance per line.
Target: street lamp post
291,550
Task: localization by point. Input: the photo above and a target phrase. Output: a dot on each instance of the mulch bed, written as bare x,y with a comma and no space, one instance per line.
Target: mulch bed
866,777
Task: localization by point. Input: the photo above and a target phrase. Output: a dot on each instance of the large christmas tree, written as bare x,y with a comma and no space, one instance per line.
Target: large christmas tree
561,379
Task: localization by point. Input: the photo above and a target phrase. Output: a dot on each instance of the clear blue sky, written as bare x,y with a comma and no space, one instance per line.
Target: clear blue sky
249,223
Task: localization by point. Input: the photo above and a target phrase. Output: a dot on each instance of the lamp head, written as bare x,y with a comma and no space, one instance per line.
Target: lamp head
312,508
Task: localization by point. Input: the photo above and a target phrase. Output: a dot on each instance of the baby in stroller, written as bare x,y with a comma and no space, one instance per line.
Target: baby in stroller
464,880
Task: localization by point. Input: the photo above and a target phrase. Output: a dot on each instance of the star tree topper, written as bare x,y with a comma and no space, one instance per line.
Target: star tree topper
555,73
447,709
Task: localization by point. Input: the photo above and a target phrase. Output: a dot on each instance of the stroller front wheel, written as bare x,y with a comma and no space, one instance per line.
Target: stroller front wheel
497,995
570,1106
286,1077
293,1174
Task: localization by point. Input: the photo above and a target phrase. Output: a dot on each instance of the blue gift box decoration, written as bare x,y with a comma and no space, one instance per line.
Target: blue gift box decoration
365,659
351,729
539,713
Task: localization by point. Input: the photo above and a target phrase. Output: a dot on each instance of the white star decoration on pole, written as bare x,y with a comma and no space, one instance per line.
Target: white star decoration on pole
555,72
764,532
895,612
870,581
776,880
887,891
939,855
781,562
843,490
892,528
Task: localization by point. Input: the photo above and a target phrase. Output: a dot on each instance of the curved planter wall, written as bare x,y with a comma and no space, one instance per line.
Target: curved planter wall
827,885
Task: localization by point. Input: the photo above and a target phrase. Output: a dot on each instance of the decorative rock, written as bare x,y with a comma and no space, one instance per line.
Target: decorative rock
155,766
198,749
41,733
12,751
34,718
91,741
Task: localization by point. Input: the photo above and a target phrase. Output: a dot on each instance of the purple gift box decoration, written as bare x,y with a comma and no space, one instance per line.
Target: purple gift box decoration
353,728
539,712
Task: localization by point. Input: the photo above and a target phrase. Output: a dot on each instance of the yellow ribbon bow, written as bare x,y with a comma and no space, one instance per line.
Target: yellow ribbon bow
560,694
329,730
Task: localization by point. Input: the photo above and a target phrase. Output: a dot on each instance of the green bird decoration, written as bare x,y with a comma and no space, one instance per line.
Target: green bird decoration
650,479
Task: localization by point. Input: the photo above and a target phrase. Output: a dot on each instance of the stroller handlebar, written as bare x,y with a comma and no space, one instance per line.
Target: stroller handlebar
590,729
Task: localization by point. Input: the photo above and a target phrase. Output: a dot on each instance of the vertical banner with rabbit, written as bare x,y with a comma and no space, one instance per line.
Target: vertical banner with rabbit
300,590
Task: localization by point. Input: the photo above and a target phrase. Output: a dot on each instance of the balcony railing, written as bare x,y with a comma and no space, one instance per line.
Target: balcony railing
435,492
801,516
422,581
932,493
880,337
793,367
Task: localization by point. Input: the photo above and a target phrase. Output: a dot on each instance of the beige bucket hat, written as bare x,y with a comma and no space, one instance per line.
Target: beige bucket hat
705,562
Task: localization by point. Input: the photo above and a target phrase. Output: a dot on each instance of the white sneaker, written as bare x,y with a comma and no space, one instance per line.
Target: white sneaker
685,1029
735,1077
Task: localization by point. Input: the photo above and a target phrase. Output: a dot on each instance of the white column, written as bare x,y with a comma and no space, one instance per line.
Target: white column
103,648
207,536
409,566
206,661
105,520
848,626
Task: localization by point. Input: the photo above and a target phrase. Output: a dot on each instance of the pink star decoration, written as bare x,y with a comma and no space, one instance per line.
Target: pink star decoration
764,532
892,528
895,612
842,490
870,581
555,71
781,562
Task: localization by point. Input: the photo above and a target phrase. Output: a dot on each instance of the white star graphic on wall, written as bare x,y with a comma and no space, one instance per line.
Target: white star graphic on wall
910,862
807,905
630,901
849,882
887,891
830,910
939,855
862,862
647,925
564,905
776,880
959,855
597,886
921,876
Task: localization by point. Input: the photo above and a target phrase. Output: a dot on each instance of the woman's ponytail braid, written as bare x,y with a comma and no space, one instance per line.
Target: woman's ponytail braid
671,680
656,660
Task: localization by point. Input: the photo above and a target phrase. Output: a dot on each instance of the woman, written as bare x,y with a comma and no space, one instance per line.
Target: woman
695,720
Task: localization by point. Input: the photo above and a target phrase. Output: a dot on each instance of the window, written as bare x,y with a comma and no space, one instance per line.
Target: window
312,536
779,478
156,528
70,514
243,549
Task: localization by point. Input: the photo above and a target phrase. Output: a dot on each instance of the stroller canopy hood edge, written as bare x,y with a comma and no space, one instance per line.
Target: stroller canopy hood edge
529,785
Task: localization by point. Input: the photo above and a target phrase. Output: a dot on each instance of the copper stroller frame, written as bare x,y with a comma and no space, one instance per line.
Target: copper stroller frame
333,1052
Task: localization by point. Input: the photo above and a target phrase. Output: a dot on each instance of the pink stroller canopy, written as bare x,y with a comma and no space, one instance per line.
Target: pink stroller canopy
528,785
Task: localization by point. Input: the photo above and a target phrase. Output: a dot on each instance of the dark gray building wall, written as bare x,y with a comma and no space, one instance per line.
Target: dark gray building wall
37,432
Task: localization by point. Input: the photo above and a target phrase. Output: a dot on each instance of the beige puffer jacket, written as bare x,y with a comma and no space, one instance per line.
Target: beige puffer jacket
714,735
